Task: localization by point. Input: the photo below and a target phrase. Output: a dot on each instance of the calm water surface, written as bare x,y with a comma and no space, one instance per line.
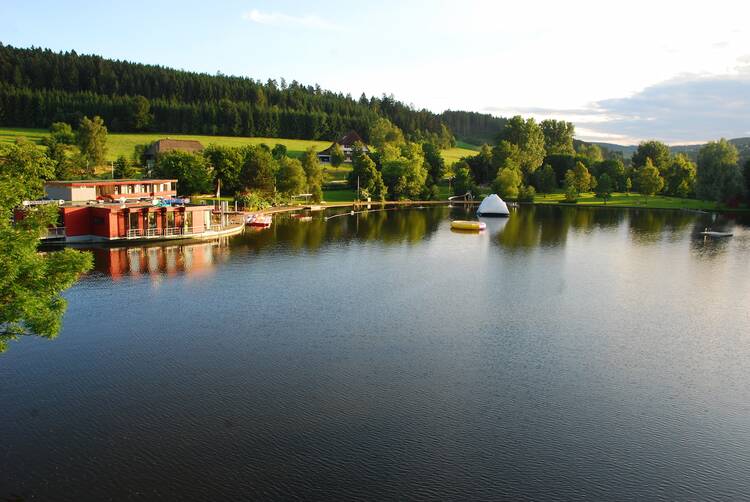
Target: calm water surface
563,354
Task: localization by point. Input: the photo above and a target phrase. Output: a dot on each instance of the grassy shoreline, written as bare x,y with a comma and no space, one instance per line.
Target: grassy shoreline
618,200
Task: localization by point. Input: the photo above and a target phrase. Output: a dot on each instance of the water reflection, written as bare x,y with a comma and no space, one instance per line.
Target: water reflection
169,259
390,226
527,228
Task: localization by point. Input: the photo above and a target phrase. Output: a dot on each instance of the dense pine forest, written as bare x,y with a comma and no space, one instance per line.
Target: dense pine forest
472,127
39,87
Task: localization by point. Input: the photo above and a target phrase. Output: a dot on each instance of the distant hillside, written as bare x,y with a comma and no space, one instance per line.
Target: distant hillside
38,87
742,144
472,127
627,150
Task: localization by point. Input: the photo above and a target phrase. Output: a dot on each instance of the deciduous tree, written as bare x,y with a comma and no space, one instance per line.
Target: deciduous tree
546,181
192,172
507,182
92,139
649,179
657,151
30,282
604,187
337,155
290,178
123,168
718,176
558,137
529,138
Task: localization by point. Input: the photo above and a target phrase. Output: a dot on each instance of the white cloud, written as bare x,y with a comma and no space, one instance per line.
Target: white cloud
279,19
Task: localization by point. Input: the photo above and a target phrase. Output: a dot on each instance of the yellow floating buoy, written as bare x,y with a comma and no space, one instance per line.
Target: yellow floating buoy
476,226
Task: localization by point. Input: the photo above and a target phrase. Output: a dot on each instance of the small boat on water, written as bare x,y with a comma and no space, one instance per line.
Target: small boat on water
710,233
259,220
493,205
474,226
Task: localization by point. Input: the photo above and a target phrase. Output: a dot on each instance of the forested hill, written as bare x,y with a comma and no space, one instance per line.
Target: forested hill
39,86
472,127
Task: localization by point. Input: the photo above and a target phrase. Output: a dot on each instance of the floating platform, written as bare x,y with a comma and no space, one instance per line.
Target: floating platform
474,226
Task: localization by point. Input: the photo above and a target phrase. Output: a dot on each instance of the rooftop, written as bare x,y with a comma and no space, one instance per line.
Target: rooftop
107,182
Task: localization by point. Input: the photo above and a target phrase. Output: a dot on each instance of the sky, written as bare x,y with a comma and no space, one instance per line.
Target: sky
677,71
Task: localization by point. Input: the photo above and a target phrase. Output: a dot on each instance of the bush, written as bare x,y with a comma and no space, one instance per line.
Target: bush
526,193
254,201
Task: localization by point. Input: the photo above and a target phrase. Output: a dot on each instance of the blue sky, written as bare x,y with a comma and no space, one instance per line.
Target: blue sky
621,71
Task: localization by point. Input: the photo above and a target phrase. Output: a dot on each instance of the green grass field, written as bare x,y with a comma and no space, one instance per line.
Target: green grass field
455,154
125,143
632,200
467,146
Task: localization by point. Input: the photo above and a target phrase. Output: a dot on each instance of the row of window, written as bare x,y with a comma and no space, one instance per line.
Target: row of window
142,188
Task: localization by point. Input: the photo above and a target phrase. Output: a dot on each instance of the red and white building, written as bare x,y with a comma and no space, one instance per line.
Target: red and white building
110,190
126,210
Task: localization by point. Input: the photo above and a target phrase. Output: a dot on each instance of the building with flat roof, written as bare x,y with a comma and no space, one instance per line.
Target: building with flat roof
110,190
122,210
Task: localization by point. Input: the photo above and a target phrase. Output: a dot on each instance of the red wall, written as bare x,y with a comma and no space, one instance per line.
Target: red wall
77,221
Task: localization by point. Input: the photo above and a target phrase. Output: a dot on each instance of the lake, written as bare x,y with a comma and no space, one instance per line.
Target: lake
564,353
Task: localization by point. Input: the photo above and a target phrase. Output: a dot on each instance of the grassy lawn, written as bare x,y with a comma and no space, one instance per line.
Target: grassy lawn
125,143
339,195
467,146
334,174
632,200
455,154
9,135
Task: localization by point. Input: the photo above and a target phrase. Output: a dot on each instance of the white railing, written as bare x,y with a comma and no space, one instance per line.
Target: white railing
136,233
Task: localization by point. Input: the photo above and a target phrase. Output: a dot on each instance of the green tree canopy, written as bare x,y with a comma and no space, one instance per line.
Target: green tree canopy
406,175
290,178
279,151
337,155
226,165
604,187
463,181
718,176
615,169
558,137
582,178
192,172
546,180
313,170
657,151
384,132
365,175
435,163
571,186
61,132
507,183
30,282
92,139
590,153
139,113
529,138
123,169
649,179
679,176
258,169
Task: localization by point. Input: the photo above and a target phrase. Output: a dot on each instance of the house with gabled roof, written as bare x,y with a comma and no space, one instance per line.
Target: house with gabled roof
170,145
346,142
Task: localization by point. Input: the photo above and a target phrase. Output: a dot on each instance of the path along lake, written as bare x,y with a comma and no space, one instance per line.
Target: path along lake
564,353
